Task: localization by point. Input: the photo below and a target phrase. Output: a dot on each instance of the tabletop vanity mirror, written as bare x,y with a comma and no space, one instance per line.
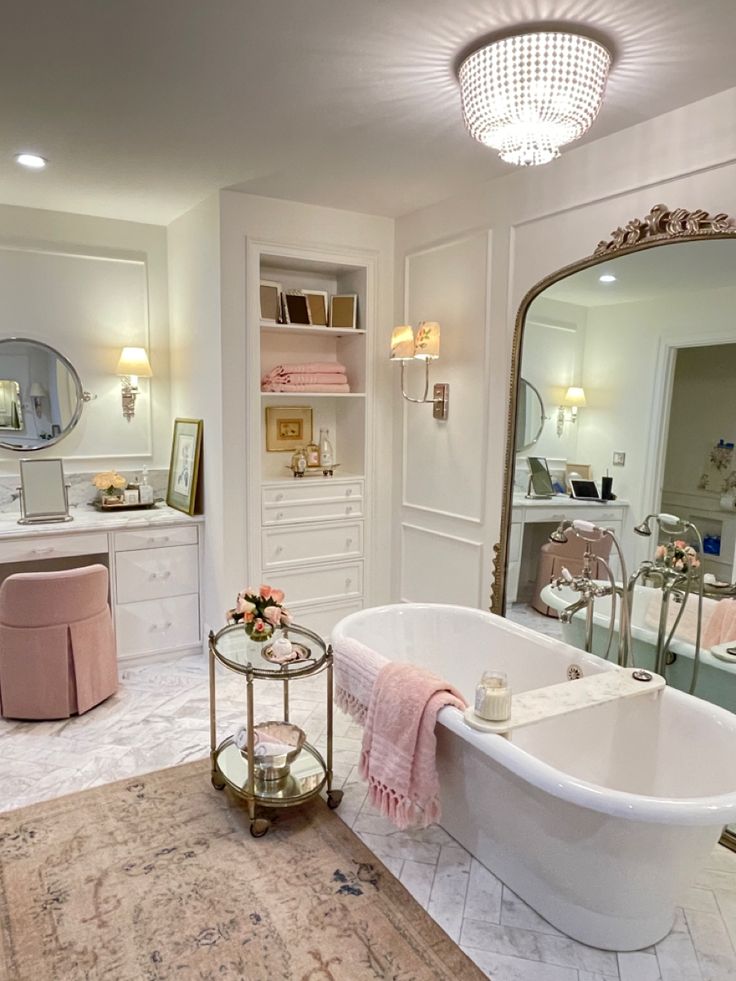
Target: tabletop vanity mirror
43,492
41,395
642,331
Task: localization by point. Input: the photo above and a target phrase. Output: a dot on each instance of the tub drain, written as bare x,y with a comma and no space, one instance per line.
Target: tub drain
574,672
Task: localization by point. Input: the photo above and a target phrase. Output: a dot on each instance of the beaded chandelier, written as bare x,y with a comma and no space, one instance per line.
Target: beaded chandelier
530,94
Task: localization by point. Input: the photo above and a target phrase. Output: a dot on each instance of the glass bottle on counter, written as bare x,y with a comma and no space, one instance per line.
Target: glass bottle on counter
326,453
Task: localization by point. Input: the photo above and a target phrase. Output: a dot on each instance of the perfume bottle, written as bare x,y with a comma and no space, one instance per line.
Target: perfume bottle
299,461
312,452
145,491
326,455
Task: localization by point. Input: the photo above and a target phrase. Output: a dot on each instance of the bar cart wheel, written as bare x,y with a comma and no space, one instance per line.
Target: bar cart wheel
334,799
259,827
217,782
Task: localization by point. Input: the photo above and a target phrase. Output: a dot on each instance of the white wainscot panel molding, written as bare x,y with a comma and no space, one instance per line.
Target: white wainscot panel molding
440,568
445,462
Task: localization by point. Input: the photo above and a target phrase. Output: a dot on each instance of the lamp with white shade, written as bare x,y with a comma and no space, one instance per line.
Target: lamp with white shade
133,364
573,400
406,346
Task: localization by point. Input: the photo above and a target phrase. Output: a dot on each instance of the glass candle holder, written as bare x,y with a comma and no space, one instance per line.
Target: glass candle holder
493,697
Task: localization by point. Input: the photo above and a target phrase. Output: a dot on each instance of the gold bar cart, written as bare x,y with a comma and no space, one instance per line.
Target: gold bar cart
230,766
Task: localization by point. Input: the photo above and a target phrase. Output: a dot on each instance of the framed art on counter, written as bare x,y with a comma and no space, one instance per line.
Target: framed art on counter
186,449
288,427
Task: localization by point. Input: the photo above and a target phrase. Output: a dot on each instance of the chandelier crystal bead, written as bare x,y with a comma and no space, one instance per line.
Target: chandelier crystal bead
529,94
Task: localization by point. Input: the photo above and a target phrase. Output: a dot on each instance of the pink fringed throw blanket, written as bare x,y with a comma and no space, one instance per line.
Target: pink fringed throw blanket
399,745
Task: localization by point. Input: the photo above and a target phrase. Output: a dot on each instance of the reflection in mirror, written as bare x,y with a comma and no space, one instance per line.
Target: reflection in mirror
651,338
11,410
41,399
529,416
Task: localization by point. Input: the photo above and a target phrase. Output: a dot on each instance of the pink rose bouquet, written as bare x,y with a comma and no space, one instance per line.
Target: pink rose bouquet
261,610
677,555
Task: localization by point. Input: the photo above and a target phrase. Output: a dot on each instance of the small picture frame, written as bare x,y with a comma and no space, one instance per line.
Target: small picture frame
344,311
319,302
288,427
582,470
296,308
186,450
270,301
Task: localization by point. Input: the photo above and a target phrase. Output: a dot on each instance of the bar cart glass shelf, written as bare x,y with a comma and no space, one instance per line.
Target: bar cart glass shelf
310,772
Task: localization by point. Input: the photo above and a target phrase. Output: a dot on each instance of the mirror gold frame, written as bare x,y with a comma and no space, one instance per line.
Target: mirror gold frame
662,226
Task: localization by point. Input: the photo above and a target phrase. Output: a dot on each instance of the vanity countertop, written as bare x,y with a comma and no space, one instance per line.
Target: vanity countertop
88,518
562,500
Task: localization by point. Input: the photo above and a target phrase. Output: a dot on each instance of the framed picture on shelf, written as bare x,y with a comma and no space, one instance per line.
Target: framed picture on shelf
270,301
297,307
318,301
344,311
288,427
186,450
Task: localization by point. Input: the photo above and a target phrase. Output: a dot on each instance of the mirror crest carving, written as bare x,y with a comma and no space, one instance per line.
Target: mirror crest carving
664,225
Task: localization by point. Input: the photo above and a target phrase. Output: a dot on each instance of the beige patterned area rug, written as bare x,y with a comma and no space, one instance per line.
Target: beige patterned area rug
158,877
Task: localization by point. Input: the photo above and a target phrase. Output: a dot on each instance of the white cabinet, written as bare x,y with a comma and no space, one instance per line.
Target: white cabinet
313,530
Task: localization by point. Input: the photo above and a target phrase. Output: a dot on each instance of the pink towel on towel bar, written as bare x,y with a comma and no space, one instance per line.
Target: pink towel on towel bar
721,626
356,670
399,745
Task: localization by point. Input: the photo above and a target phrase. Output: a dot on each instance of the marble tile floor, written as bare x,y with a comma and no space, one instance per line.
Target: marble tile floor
159,718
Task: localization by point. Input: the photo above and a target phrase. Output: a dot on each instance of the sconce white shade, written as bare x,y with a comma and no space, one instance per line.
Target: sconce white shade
427,340
37,391
402,343
134,361
574,396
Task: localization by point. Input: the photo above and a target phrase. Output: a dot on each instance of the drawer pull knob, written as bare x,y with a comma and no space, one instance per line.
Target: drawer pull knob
279,515
43,551
348,509
349,491
160,575
279,549
348,542
162,627
348,581
152,540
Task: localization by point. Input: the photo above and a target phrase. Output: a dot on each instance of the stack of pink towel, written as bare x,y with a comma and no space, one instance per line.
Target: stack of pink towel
315,376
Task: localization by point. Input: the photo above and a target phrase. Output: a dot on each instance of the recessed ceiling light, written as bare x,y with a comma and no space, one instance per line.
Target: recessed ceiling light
30,160
606,278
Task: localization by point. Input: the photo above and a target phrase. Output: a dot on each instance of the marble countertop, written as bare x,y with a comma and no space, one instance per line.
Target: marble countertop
562,500
88,518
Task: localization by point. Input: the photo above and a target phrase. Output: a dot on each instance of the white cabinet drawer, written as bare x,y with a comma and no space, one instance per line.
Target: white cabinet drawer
156,572
340,539
52,547
155,537
281,514
327,583
159,625
312,489
321,619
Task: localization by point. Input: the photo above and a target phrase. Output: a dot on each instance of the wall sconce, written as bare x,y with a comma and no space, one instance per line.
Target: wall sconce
424,346
37,394
574,399
133,364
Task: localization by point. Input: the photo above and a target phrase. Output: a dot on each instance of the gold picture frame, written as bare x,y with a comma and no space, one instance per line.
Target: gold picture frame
319,306
344,311
288,427
186,452
270,301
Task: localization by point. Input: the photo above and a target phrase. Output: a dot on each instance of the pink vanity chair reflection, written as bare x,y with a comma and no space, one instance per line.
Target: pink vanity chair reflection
554,555
57,647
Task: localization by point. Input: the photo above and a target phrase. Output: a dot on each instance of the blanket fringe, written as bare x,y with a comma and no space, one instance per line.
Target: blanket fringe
402,811
350,705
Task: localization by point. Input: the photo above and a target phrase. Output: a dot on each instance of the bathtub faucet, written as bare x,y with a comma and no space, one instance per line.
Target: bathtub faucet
591,589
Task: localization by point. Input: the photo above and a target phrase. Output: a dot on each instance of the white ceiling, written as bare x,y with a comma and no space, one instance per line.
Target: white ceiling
144,107
651,274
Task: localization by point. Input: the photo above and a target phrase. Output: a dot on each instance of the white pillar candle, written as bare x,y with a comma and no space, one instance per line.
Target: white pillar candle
493,697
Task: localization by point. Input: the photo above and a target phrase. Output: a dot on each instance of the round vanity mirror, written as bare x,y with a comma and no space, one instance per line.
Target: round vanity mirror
41,395
529,416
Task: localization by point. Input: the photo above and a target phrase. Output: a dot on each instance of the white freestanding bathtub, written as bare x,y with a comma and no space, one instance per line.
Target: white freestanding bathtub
599,819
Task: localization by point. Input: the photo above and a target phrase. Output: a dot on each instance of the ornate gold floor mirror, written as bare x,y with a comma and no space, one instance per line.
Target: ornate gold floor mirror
630,324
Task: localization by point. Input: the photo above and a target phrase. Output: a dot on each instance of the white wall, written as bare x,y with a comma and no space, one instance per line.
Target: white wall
196,370
87,287
540,220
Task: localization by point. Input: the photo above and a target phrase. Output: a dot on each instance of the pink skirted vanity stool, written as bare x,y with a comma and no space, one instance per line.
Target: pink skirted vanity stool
553,556
57,647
